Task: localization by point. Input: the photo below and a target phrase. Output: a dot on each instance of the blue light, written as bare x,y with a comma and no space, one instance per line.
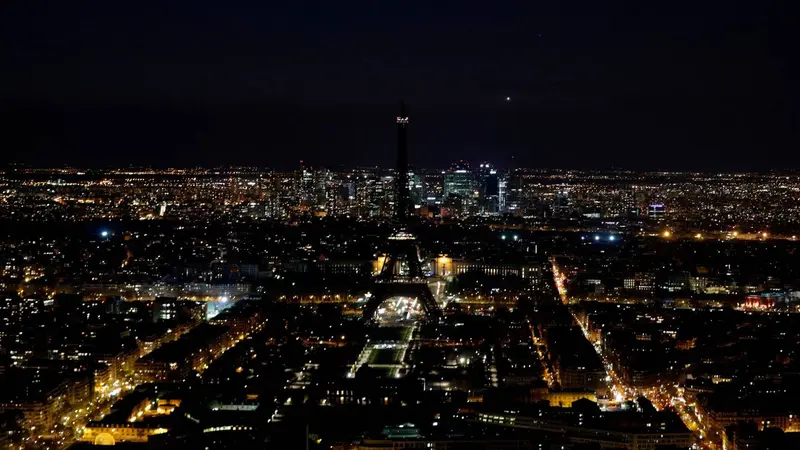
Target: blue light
104,233
503,237
596,238
611,238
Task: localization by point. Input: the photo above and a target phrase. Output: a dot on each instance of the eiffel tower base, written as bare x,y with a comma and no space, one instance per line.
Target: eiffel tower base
383,291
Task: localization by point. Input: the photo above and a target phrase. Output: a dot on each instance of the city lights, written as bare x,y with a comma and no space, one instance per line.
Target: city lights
328,280
246,283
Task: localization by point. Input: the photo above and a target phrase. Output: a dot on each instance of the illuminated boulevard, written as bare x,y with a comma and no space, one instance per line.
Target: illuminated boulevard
74,422
661,397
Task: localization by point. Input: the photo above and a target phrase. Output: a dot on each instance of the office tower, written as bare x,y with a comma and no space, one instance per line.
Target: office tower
459,180
502,183
387,191
433,186
415,189
460,190
280,195
304,189
488,189
368,192
513,192
323,178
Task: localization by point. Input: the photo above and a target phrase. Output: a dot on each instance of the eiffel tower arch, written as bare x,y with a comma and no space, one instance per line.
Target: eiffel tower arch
402,276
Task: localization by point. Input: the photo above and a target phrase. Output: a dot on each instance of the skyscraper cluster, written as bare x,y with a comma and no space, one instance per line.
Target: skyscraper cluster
462,189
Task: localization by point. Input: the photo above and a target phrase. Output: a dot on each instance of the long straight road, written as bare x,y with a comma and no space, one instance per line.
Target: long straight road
623,392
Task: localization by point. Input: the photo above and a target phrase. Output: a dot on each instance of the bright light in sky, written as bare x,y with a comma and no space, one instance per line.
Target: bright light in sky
104,233
611,238
508,99
597,238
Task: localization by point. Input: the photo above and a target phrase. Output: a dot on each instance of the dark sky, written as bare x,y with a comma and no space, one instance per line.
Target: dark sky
703,85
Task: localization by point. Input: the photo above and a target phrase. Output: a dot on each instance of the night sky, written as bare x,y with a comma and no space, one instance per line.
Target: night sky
702,85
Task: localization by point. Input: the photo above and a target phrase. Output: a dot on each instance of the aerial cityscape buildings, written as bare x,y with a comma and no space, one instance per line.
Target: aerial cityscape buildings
474,307
372,225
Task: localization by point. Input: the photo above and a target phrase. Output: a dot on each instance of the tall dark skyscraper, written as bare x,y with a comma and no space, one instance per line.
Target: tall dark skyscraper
403,204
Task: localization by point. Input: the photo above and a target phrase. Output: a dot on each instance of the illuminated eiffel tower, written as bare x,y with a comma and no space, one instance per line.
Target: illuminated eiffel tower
401,274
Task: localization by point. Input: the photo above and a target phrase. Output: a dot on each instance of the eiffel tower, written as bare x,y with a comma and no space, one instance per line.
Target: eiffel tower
401,274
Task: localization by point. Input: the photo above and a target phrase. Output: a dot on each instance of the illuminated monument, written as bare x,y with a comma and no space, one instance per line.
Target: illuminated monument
401,273
403,205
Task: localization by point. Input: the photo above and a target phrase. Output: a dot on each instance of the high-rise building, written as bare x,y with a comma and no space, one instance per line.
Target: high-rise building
323,178
488,181
433,187
368,191
305,185
459,181
460,190
522,191
460,193
388,188
279,194
502,183
415,189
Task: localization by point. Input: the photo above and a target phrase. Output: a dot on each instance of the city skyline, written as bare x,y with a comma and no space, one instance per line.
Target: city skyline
211,308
